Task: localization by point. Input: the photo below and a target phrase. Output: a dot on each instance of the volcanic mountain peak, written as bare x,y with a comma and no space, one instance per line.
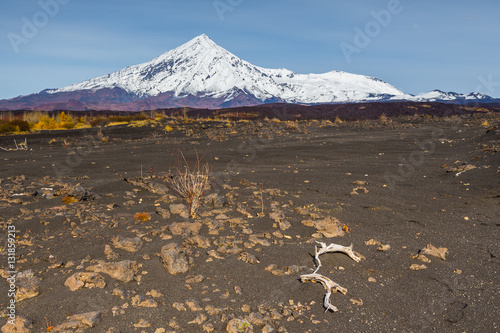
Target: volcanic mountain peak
202,68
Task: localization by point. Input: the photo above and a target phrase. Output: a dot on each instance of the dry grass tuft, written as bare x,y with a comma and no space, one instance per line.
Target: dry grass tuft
191,183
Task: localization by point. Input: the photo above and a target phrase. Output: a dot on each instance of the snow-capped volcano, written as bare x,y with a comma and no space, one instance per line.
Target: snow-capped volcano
201,74
202,68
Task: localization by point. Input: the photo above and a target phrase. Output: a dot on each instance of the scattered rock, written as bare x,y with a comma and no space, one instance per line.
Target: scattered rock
416,267
359,190
108,252
420,257
141,301
194,278
85,280
127,244
20,324
179,209
200,318
142,324
371,279
27,285
125,270
372,242
78,322
162,212
185,228
174,259
248,258
360,182
383,247
82,194
193,305
328,227
198,241
237,325
434,251
258,240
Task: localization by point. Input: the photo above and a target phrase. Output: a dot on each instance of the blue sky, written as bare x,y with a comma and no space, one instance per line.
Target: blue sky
417,46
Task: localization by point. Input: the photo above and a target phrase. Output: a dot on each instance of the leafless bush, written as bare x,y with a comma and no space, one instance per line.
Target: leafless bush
191,183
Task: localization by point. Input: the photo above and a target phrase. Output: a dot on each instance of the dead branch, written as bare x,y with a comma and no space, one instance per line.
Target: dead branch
327,283
335,248
20,146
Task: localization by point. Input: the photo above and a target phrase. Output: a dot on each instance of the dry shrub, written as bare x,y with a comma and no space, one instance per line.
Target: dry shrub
191,182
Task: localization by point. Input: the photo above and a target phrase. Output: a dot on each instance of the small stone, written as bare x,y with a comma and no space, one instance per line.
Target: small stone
416,267
85,280
125,270
371,279
434,251
20,324
179,209
383,247
174,260
142,324
127,244
237,325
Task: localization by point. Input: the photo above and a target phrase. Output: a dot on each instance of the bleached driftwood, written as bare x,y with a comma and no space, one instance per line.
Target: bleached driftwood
329,286
20,146
327,283
335,248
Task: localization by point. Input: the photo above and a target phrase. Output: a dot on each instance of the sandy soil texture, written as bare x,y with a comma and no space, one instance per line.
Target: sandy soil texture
102,244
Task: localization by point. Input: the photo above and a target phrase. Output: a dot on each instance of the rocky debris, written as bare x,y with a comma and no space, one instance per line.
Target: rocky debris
373,242
79,322
198,241
185,228
461,168
121,293
434,251
258,239
416,267
360,182
420,257
85,280
125,270
127,244
237,325
179,209
142,324
20,324
162,212
279,217
154,293
193,305
383,247
142,301
248,258
82,194
215,200
27,285
199,319
328,227
195,278
359,190
108,251
174,259
287,270
149,185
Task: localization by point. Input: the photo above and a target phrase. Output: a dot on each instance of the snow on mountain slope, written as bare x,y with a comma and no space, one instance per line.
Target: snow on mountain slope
202,68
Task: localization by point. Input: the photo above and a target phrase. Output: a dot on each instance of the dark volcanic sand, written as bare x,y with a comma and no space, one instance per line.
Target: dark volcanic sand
408,206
